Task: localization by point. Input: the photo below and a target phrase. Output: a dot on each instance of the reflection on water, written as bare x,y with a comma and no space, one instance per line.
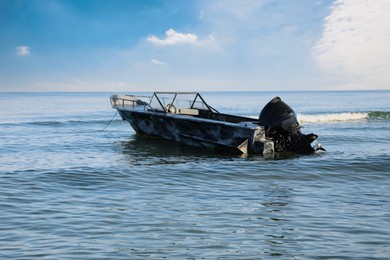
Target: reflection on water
145,150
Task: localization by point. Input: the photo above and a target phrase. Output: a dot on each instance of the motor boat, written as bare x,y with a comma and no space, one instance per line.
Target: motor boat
186,118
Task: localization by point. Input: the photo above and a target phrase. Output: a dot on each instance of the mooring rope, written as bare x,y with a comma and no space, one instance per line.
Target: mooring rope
109,122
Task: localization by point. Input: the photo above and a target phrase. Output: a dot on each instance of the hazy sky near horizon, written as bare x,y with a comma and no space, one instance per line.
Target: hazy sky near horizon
184,45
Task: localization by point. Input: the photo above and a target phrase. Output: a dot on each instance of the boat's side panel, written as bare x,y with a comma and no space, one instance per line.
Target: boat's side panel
190,130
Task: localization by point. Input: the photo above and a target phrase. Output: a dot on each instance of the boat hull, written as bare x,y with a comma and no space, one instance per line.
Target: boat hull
245,137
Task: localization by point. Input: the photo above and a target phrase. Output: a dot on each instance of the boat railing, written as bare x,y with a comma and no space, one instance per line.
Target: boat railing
168,102
130,102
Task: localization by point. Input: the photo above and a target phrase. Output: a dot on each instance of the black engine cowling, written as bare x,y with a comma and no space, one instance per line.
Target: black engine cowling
283,128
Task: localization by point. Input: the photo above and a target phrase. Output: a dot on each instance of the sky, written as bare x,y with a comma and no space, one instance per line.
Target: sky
194,45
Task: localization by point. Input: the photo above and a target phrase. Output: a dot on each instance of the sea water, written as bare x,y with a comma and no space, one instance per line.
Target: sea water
70,190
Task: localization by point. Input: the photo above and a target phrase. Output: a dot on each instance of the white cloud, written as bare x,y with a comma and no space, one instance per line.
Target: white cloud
23,50
154,61
173,37
355,42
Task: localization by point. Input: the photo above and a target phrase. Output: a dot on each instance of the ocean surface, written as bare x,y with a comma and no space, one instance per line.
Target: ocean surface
69,190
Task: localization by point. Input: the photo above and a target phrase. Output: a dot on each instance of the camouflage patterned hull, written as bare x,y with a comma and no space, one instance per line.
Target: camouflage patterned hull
243,137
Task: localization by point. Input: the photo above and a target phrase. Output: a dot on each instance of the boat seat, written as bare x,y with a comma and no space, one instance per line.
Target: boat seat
188,111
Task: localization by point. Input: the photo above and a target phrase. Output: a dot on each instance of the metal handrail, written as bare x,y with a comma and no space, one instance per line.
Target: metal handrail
125,102
134,101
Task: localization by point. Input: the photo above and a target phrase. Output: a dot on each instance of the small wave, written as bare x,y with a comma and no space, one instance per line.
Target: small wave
378,115
51,123
332,118
344,117
45,123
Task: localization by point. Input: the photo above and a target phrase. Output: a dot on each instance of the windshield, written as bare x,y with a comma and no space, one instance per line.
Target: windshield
163,101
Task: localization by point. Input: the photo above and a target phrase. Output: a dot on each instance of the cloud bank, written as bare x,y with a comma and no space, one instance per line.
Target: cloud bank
172,38
355,42
23,50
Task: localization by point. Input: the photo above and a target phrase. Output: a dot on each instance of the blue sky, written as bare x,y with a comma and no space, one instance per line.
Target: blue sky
97,45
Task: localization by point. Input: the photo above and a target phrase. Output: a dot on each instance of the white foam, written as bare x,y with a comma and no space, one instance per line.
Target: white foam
332,118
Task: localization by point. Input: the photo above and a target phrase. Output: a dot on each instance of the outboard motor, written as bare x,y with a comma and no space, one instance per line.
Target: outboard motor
282,127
